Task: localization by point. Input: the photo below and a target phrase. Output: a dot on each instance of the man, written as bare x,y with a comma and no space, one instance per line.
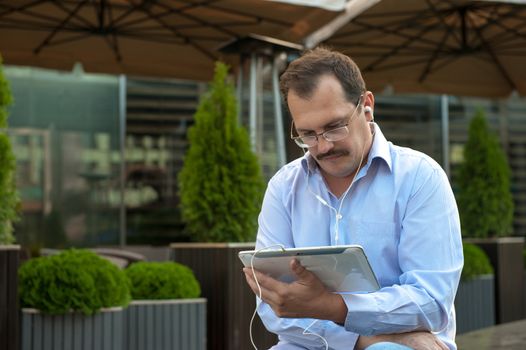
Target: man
354,187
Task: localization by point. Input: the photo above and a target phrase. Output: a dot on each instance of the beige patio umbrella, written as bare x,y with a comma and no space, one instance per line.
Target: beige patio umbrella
166,38
459,47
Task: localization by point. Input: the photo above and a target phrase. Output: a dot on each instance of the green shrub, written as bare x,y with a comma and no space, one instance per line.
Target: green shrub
476,262
74,280
8,195
484,196
162,280
220,184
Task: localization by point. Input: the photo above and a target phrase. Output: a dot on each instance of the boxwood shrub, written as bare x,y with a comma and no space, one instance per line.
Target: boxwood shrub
74,280
476,262
162,280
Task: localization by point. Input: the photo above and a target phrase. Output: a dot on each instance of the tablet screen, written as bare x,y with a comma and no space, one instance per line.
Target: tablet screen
343,269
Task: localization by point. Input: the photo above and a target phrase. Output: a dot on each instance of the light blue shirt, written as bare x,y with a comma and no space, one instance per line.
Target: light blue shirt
402,211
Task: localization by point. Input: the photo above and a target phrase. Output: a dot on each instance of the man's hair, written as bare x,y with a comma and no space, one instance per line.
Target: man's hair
302,75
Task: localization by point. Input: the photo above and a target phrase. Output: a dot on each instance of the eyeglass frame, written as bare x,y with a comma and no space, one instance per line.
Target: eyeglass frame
323,134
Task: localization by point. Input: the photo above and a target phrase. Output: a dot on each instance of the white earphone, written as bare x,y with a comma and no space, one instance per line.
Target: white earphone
368,109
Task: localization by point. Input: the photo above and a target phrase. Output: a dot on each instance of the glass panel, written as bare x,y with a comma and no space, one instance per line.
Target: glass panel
411,121
159,114
65,131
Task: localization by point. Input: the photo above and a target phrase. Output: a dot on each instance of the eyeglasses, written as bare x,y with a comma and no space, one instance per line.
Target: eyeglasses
332,135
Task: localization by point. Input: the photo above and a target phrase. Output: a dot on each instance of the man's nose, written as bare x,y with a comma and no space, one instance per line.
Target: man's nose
323,145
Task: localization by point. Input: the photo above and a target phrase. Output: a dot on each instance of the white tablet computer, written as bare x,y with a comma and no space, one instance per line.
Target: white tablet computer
343,269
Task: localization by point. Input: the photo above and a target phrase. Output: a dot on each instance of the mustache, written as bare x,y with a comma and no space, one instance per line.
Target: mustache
331,154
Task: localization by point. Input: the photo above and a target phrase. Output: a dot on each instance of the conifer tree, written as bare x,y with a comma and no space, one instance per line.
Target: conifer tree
220,185
484,196
8,193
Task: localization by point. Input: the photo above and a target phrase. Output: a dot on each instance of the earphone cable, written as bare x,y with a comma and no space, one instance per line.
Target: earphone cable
260,293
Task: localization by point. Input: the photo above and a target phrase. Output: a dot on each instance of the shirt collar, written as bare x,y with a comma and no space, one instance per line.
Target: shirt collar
379,149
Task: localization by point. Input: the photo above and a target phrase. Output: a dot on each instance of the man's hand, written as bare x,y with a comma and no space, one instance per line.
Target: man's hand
414,340
306,297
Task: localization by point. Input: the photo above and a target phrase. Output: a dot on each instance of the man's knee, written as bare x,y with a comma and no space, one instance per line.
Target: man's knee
387,346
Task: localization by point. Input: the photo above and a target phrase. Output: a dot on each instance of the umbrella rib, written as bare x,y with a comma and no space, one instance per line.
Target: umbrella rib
451,9
408,22
125,14
366,44
47,40
24,10
30,25
394,50
11,9
70,39
146,18
188,40
170,40
241,13
100,13
80,18
513,31
204,23
115,46
446,61
180,12
494,57
434,56
196,25
398,65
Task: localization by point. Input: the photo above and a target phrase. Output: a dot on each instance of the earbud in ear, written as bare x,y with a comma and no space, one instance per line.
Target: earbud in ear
367,109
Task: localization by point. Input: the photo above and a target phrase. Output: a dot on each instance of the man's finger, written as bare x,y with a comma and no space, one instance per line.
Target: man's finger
442,345
267,293
263,279
300,271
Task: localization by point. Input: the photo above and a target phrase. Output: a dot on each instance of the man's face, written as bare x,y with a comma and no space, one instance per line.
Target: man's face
327,109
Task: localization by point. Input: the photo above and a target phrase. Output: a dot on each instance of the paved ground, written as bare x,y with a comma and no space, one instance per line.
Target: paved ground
507,336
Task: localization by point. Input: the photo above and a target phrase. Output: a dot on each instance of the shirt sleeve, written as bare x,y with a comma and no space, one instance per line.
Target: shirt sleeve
275,228
430,259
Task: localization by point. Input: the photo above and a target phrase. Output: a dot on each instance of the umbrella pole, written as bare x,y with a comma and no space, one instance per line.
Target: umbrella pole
278,115
122,131
444,112
252,101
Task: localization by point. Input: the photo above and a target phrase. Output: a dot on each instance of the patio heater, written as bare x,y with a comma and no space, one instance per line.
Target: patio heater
259,101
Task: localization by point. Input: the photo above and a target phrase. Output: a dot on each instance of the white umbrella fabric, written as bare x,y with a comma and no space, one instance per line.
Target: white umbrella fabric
166,38
458,47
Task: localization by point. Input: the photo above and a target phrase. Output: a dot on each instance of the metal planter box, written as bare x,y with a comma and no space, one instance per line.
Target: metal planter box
505,255
9,316
72,331
230,300
165,324
475,304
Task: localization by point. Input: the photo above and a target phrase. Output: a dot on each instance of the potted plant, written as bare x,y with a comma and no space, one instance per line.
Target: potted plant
72,300
221,188
166,311
486,214
9,252
475,299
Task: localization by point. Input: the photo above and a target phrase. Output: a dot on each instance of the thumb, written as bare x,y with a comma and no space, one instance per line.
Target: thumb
300,271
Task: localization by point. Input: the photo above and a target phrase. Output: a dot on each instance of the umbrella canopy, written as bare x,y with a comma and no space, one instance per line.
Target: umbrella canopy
459,47
167,38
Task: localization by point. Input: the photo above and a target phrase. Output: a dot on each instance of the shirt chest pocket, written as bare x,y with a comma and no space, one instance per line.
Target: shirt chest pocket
380,242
